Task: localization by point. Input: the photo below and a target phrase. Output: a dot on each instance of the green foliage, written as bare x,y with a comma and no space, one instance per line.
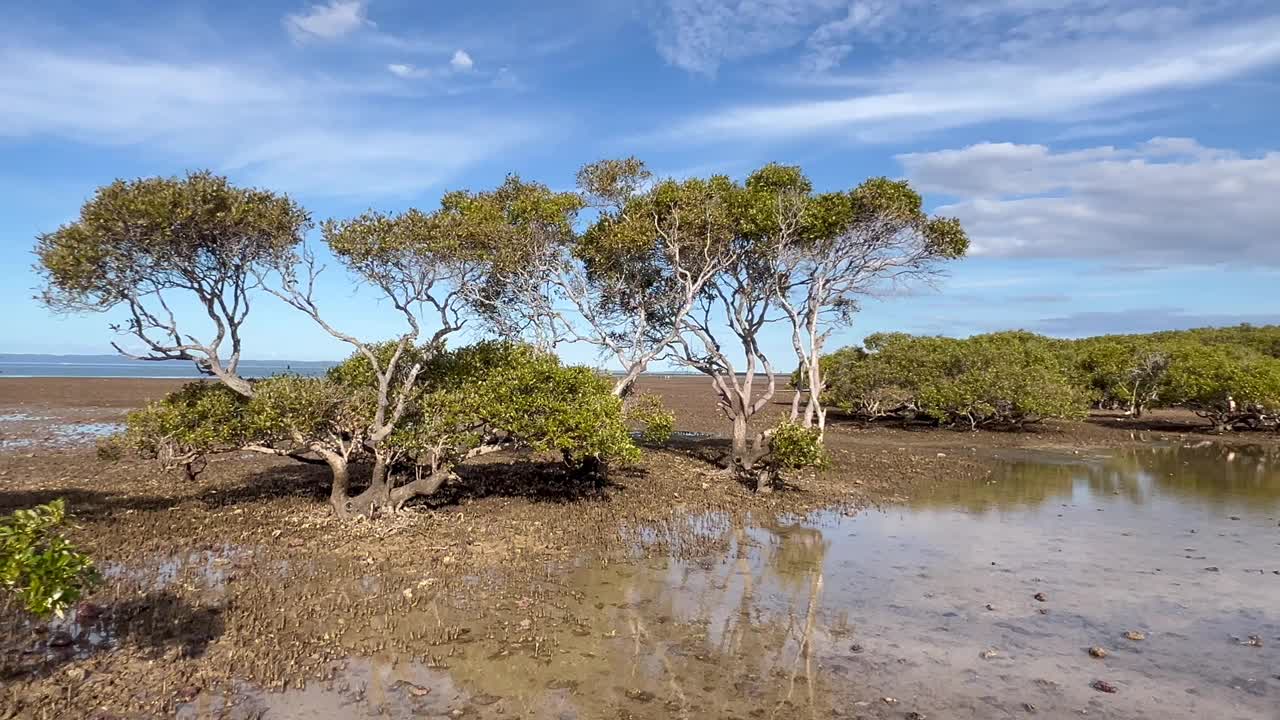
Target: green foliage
611,183
526,393
198,419
460,400
1224,383
864,388
1132,371
1264,339
1123,372
476,247
1002,379
656,422
356,372
305,410
139,236
629,251
1227,375
793,446
40,566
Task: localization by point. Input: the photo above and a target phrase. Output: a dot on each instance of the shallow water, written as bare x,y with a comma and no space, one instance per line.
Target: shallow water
20,430
923,608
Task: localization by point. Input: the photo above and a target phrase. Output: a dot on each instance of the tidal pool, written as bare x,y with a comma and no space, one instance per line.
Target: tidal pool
975,600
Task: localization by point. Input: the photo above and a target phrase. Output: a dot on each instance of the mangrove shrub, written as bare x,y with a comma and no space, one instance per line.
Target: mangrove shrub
40,566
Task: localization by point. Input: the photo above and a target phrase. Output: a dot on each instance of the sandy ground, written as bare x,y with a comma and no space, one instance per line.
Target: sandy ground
244,576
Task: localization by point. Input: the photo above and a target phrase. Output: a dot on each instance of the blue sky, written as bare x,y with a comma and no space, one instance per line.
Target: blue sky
1117,164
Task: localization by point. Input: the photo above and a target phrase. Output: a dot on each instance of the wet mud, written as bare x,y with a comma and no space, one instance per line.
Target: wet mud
937,576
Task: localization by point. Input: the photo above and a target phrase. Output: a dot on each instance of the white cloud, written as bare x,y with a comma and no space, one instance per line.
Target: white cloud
295,132
459,64
461,61
330,21
401,70
1059,83
1169,201
459,75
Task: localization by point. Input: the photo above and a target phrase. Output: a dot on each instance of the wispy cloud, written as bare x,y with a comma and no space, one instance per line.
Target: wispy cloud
300,132
700,35
328,21
1058,82
1143,320
1169,201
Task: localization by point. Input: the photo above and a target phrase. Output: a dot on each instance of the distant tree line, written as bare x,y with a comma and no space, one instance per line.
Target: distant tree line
1230,376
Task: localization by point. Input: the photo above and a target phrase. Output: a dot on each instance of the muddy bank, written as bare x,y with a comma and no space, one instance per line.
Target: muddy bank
671,593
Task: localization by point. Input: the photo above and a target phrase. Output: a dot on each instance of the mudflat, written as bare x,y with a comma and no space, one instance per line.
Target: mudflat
904,580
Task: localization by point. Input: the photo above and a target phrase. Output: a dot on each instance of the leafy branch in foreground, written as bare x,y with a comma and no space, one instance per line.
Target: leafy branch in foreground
40,566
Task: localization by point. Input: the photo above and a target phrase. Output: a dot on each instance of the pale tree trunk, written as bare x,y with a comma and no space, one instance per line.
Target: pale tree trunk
807,339
623,386
815,414
232,380
739,437
375,497
747,451
340,484
420,487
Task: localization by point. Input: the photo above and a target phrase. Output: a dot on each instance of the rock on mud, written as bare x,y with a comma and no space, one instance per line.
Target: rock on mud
1104,686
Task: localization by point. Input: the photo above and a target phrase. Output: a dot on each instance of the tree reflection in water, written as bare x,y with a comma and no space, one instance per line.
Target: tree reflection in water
1213,477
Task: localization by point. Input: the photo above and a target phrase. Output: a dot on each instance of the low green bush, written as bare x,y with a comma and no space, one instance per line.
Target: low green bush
793,447
40,566
656,422
1230,376
998,380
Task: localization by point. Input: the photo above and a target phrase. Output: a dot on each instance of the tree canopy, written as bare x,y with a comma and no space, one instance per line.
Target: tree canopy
690,271
146,245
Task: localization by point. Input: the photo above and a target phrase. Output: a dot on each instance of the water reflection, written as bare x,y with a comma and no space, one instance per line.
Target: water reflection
730,637
1213,477
931,606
